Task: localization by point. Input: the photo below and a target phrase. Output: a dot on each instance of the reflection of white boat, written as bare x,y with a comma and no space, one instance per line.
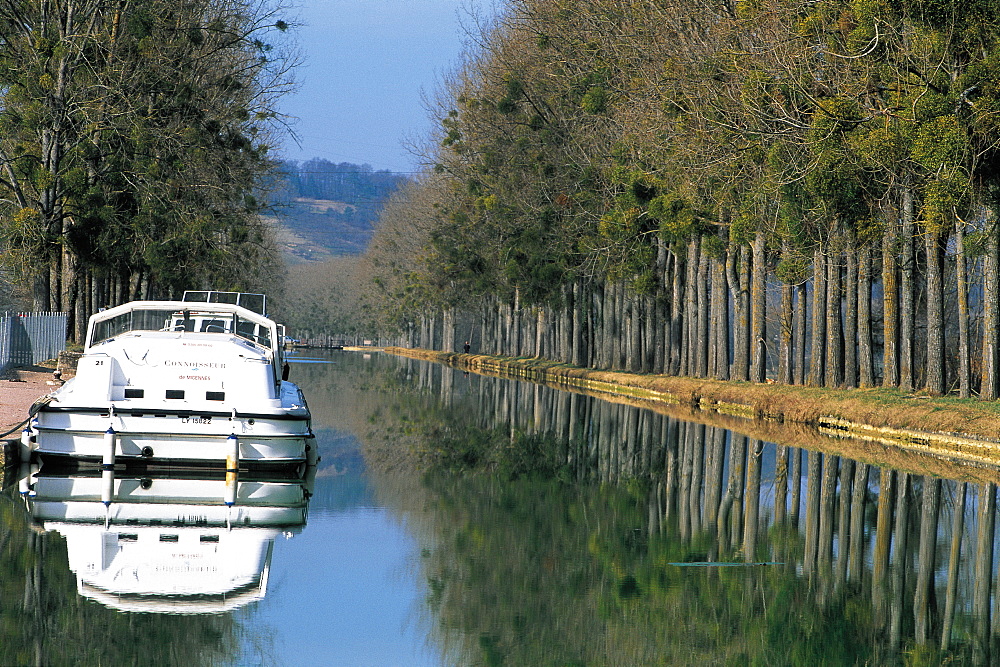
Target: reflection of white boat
183,546
171,381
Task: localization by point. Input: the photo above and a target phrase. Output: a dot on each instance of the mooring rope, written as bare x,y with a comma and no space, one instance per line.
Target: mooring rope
35,407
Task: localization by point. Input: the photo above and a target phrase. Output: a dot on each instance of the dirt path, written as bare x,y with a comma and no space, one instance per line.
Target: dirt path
19,388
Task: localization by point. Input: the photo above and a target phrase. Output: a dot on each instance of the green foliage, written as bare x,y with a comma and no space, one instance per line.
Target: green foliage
939,143
945,198
677,217
793,270
595,100
806,123
130,134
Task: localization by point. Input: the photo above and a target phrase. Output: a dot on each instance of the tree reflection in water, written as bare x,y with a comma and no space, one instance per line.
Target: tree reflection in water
554,522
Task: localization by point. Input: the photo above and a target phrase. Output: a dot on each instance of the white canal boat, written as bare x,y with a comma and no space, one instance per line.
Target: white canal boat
202,381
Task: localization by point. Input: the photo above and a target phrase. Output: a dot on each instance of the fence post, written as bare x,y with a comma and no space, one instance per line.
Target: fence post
6,355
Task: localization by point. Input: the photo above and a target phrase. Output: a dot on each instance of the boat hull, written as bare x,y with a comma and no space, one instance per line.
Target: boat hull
172,439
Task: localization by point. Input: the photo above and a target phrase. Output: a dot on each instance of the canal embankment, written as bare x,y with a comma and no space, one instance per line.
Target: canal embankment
895,422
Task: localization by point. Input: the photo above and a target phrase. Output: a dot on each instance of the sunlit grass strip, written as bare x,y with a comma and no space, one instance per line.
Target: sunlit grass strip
955,427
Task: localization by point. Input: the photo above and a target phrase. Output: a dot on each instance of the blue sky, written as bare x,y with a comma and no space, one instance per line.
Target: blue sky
366,65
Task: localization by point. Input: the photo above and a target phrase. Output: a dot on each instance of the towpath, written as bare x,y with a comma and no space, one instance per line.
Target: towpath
19,388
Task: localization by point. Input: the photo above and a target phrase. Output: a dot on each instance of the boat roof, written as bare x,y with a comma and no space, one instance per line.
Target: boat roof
193,306
170,307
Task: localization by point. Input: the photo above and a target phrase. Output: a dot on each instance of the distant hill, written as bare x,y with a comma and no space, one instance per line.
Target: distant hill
322,209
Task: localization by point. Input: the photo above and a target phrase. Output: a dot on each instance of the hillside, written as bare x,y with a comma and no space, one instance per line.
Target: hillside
313,230
322,209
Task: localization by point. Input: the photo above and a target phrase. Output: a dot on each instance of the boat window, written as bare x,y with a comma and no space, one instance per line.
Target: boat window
254,302
111,328
179,323
195,319
215,395
253,332
175,393
135,320
214,326
135,393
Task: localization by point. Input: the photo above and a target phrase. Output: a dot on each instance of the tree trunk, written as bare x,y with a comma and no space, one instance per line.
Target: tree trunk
890,310
661,307
961,277
739,280
816,354
800,318
40,289
691,309
851,331
907,288
676,316
834,340
785,335
702,319
580,301
866,356
721,322
758,335
935,314
991,317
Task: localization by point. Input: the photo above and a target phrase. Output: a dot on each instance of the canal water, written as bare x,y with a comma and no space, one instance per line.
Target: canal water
457,519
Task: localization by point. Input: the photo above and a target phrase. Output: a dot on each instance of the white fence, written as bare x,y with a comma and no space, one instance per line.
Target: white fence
27,338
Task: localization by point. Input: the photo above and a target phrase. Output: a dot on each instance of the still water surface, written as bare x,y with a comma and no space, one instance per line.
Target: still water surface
464,520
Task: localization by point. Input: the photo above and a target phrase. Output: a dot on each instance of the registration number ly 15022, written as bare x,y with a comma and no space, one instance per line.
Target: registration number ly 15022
196,420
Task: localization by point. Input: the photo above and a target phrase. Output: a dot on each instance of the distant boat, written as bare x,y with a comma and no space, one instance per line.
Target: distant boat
202,381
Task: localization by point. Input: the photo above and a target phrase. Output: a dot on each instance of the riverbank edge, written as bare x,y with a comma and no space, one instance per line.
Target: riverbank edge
949,427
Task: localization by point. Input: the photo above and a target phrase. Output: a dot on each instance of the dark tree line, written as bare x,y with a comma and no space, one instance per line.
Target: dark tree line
356,184
133,139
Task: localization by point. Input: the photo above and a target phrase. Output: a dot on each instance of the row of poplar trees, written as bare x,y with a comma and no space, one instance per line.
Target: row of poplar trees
133,137
804,192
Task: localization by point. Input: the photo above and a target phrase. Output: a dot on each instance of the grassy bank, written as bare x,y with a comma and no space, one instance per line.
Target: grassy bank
895,427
